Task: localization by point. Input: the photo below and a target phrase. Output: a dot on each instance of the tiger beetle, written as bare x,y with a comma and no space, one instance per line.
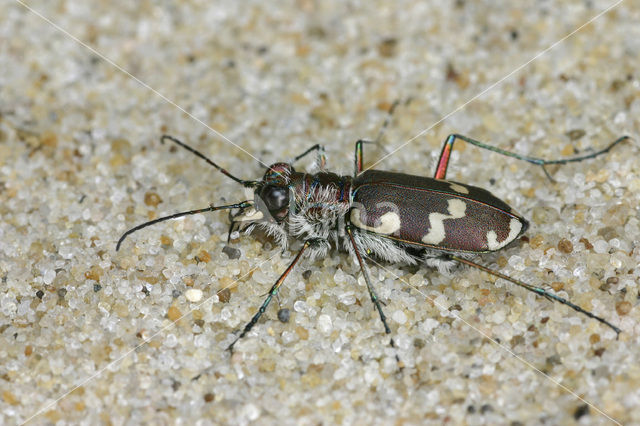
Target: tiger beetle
395,217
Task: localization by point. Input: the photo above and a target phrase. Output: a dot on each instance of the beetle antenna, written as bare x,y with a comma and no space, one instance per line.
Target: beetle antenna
247,183
240,205
537,290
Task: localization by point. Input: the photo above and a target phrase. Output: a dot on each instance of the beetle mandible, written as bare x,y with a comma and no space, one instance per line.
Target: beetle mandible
394,217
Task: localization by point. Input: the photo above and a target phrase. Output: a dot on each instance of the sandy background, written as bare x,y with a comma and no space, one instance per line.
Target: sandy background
87,335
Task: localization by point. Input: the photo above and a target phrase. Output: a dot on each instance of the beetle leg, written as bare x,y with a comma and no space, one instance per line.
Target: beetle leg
272,292
443,162
358,158
537,290
321,160
372,292
386,121
357,163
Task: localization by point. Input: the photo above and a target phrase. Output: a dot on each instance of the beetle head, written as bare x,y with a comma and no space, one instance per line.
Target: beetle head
271,198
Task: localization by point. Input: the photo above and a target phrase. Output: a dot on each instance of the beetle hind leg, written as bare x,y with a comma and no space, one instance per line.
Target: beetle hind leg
539,291
447,148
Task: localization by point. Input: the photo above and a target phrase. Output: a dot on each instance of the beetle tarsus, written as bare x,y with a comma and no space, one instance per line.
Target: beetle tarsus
537,290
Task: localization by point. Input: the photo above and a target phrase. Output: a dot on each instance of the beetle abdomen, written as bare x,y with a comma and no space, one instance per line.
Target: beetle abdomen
432,213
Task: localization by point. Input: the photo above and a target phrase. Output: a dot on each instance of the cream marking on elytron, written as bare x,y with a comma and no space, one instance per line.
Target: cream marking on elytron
389,222
514,230
458,188
436,232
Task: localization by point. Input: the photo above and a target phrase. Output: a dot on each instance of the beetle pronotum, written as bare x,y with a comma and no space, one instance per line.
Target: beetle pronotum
394,217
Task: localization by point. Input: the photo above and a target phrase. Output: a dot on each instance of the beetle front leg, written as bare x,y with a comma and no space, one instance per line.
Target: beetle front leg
447,148
321,160
273,292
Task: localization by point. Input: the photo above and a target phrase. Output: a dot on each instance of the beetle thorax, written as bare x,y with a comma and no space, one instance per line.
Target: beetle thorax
321,202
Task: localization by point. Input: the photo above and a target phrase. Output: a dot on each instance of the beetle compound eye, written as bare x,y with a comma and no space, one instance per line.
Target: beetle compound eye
276,198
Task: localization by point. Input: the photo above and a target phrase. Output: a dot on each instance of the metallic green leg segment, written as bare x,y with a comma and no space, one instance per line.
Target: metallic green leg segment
358,161
271,294
447,148
537,290
372,292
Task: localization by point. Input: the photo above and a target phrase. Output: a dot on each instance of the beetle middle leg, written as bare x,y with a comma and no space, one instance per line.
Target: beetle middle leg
372,292
447,148
358,162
